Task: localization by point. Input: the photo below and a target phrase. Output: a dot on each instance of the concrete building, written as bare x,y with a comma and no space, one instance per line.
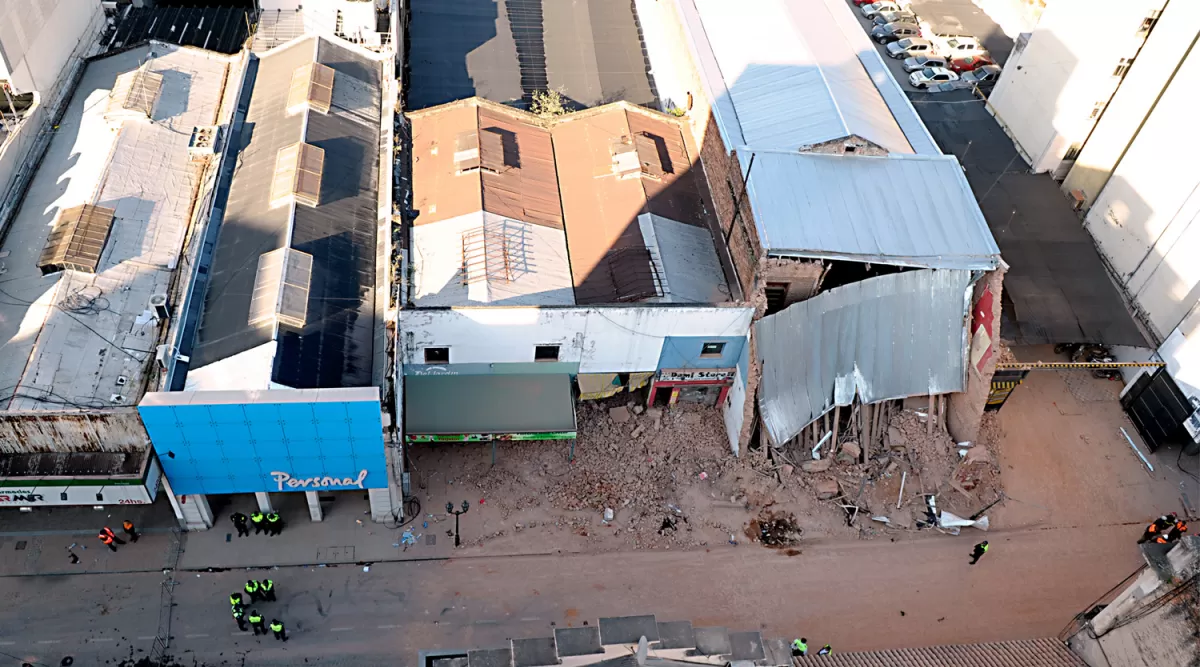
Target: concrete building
274,371
555,254
372,24
837,207
1060,78
91,265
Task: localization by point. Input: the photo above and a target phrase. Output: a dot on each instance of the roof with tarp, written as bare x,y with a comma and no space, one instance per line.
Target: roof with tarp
493,405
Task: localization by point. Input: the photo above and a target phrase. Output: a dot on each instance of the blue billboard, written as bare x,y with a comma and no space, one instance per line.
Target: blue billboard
276,440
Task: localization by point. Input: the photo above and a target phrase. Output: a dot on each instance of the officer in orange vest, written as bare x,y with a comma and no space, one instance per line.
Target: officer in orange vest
1157,528
1177,530
109,538
127,526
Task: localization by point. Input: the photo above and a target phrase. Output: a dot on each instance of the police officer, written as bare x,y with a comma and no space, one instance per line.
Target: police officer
1176,531
256,622
107,538
239,522
235,600
980,550
268,590
274,524
127,526
257,519
277,628
252,589
800,647
240,617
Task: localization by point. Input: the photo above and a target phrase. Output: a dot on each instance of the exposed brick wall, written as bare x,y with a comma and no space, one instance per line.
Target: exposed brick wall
803,276
966,408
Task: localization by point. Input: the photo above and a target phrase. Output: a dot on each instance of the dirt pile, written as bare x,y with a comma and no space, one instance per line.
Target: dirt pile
775,529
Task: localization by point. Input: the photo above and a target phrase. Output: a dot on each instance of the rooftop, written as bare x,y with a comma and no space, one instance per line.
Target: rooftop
906,210
74,464
793,73
77,330
599,206
221,29
295,297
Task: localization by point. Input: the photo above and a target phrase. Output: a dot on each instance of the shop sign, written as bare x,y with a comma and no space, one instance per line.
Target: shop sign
488,437
80,494
696,374
334,483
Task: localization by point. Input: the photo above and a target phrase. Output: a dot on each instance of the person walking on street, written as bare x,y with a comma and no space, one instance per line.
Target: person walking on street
1157,528
240,617
256,622
268,590
799,647
110,538
277,628
257,519
274,524
127,526
252,589
239,522
825,650
980,550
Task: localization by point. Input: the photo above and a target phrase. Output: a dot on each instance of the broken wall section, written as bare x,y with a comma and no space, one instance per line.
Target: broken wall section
966,407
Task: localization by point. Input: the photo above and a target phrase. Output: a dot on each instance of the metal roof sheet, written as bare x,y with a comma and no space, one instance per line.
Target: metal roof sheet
1048,652
906,210
453,404
889,337
791,73
78,239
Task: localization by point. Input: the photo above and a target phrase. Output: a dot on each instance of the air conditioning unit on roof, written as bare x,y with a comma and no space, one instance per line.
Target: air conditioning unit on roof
204,141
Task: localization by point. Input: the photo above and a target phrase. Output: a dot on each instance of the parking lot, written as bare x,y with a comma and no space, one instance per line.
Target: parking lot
947,17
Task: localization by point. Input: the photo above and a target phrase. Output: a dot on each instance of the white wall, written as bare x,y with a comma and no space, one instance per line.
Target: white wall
600,339
38,37
1049,89
1146,220
1181,352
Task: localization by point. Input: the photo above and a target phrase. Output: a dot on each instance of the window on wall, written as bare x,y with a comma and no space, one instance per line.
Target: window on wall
437,355
711,350
545,353
1149,22
1123,66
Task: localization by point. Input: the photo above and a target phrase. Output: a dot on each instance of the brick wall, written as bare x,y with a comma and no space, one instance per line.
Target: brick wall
966,408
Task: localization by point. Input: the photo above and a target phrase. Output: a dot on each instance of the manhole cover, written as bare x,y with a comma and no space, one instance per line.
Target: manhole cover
21,544
430,540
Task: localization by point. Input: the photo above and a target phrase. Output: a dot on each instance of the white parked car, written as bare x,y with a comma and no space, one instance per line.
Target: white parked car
869,11
931,76
918,63
958,46
909,47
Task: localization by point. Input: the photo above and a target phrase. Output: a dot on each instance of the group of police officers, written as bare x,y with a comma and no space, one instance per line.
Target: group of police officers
271,524
257,590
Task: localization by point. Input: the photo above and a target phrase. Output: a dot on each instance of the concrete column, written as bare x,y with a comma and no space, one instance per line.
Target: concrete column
264,502
192,511
314,506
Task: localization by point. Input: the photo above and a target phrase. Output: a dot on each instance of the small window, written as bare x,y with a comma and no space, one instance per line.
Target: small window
1149,22
545,353
712,350
1096,110
1122,66
437,355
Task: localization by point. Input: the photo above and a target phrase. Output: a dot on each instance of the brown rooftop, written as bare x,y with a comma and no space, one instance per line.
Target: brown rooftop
593,173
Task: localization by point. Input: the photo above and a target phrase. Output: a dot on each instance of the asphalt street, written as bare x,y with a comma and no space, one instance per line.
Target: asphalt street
849,594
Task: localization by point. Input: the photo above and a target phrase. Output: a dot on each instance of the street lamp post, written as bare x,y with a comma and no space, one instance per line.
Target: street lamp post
450,510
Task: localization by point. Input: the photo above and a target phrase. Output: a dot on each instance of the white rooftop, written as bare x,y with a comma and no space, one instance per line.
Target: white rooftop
849,209
792,73
67,339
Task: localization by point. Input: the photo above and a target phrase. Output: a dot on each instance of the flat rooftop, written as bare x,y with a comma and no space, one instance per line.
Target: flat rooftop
295,295
504,50
605,205
73,339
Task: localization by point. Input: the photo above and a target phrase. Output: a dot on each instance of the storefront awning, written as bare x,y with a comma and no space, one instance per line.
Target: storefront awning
496,405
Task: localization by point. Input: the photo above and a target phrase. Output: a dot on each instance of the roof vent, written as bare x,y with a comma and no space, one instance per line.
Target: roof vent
312,86
297,175
466,152
653,159
281,288
625,162
203,143
134,94
77,240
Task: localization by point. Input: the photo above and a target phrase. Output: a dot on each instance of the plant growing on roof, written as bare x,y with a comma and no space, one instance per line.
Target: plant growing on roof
677,112
548,103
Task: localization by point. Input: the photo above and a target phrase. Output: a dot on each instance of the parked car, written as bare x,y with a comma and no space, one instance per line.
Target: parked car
968,63
978,77
869,11
918,63
894,32
931,76
947,87
909,47
895,17
860,3
957,46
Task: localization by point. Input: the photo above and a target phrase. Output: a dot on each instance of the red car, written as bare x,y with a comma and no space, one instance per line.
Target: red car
860,3
969,63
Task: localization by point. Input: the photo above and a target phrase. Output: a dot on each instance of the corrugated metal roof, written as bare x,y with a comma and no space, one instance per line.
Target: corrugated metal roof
791,74
905,210
1024,653
889,337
